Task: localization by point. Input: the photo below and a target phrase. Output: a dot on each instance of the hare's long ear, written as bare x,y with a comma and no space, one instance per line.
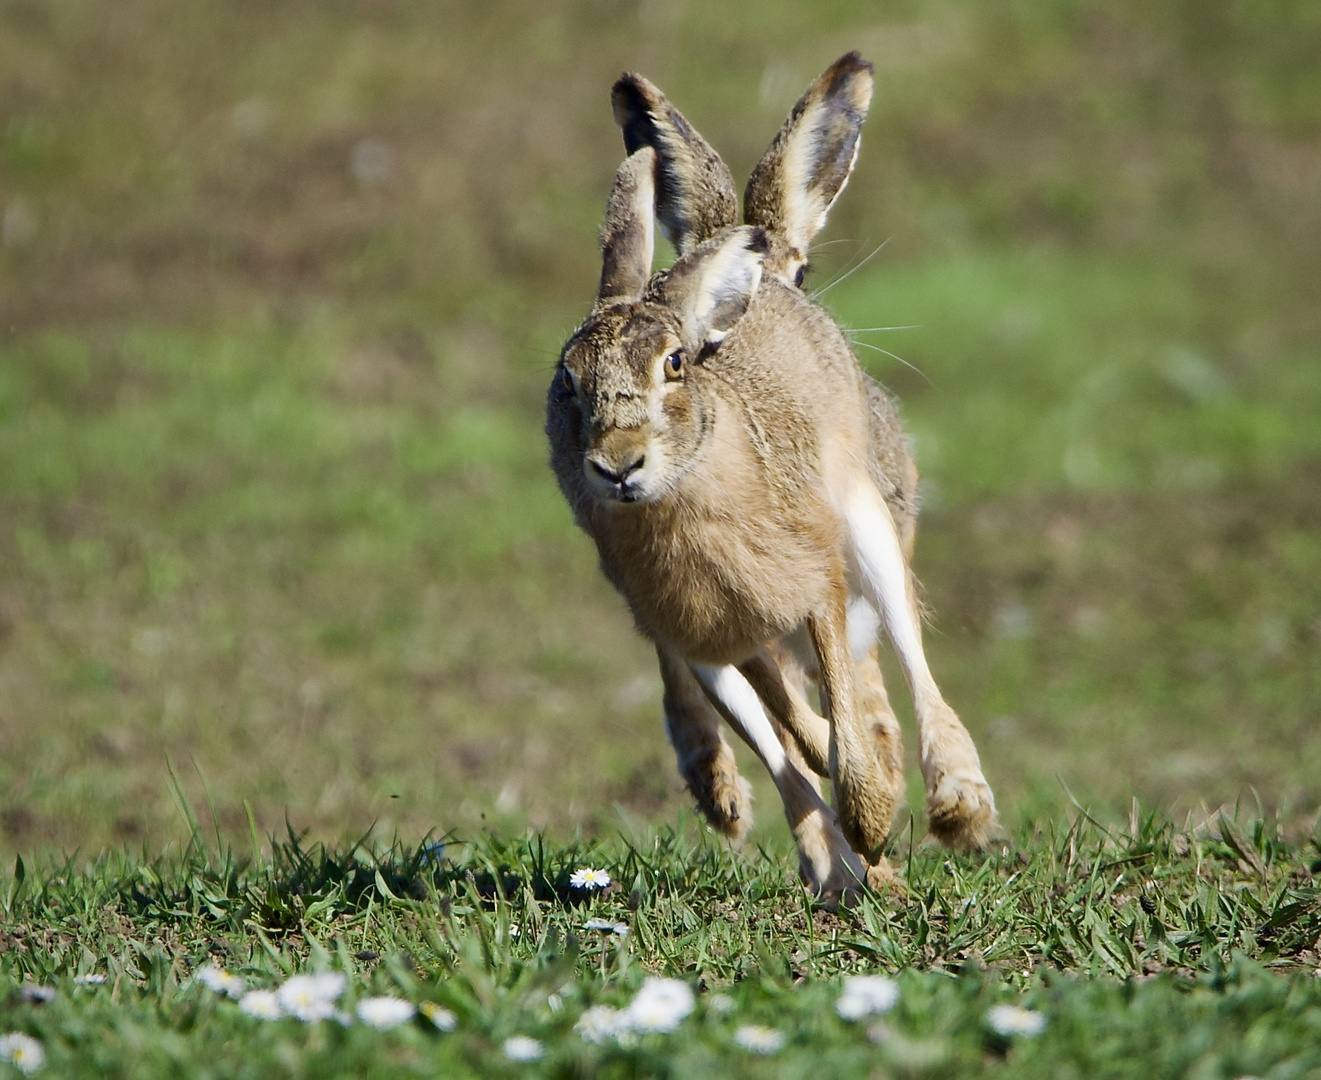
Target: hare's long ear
695,195
808,163
628,232
711,287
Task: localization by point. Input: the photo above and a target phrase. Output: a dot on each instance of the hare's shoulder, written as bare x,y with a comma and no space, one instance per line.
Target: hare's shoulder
788,360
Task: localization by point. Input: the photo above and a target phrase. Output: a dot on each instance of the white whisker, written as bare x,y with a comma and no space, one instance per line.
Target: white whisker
851,271
896,356
828,243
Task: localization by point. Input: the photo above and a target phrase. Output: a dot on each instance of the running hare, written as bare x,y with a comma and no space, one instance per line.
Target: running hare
714,435
790,193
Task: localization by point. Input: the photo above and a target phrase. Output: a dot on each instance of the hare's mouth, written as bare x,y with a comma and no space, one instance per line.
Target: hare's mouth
626,492
616,481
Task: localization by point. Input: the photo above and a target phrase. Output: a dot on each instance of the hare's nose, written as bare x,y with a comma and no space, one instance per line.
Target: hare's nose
625,471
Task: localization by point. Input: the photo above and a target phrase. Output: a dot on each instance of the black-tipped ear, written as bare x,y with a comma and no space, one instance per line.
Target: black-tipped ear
628,233
809,161
711,287
695,195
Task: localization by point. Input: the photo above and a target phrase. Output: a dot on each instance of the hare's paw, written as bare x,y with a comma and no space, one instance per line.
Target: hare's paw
884,878
866,805
722,794
961,809
828,866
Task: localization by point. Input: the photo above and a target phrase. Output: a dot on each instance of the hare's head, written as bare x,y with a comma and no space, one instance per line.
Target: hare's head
630,407
790,191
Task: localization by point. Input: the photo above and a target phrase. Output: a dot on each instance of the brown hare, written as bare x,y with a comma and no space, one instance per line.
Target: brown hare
790,193
742,480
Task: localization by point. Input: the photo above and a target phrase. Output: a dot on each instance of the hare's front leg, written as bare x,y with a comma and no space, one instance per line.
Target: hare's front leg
863,792
706,760
960,805
827,864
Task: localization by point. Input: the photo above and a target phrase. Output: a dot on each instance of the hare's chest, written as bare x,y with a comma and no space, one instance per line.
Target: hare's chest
718,587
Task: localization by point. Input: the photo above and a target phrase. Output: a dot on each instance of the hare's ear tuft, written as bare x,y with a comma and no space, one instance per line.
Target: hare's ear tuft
695,195
711,287
628,232
809,161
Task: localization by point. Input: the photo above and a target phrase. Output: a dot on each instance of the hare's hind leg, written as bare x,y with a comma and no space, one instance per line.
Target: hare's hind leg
878,716
778,691
828,865
960,805
706,760
861,786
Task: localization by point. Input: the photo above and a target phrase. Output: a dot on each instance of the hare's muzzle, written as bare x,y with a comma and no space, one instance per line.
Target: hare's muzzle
616,466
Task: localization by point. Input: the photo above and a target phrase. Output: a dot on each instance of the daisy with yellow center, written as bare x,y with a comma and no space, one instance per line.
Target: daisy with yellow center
221,981
756,1039
261,1004
311,997
24,1052
589,879
441,1017
1014,1020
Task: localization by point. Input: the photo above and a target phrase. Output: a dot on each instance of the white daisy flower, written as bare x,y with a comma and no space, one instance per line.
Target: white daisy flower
92,978
660,1006
221,981
721,1004
1015,1020
23,1052
599,1024
384,1013
310,998
756,1039
606,926
263,1004
866,995
36,993
442,1018
523,1048
589,879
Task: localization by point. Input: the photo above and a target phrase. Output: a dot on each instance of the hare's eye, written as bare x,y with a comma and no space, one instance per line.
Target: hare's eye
566,380
674,365
801,276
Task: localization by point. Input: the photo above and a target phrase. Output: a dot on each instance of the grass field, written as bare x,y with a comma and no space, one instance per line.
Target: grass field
280,290
1114,951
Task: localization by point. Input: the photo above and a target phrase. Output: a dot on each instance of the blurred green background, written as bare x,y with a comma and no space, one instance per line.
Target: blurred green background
281,285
